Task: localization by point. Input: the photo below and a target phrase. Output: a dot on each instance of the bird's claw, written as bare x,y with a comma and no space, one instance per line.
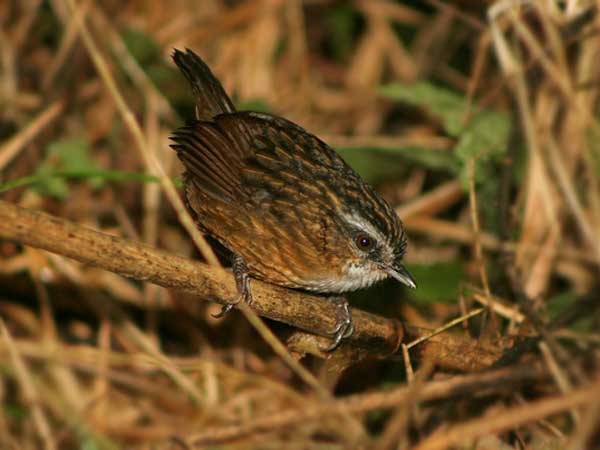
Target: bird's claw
344,327
225,309
242,281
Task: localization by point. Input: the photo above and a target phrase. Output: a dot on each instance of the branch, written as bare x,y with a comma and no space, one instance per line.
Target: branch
308,312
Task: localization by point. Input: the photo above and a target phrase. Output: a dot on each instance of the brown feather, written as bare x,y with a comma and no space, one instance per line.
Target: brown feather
211,99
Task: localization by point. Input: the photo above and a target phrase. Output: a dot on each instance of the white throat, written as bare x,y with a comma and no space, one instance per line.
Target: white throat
355,277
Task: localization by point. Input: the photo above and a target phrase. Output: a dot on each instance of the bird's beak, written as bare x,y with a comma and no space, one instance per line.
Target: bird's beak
400,273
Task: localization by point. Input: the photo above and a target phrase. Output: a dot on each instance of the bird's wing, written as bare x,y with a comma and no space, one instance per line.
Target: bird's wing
251,157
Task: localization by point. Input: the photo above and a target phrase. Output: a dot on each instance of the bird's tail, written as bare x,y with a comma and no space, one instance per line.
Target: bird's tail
211,99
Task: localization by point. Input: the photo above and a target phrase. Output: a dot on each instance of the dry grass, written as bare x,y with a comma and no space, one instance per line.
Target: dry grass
92,360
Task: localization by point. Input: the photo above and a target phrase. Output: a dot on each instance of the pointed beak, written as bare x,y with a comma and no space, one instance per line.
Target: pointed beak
400,273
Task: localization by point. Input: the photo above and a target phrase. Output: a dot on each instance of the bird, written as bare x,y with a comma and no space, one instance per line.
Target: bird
285,205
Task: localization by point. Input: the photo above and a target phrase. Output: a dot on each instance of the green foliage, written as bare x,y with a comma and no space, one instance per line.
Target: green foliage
559,303
485,139
373,165
447,105
146,51
142,46
47,185
255,104
67,155
89,444
89,441
437,282
342,24
15,411
103,175
377,164
69,159
70,154
482,134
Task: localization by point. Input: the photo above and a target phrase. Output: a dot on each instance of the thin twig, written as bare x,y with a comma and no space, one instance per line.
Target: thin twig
476,230
308,312
444,327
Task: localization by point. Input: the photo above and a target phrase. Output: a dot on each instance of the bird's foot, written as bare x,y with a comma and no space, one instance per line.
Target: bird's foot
344,327
242,282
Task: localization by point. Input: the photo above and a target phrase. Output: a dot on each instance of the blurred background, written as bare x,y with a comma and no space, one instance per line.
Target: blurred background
477,121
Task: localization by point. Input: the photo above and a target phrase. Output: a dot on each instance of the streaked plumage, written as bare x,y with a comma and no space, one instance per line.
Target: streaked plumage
281,199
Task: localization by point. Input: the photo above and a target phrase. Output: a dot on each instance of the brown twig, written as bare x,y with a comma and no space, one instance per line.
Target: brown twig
308,312
138,261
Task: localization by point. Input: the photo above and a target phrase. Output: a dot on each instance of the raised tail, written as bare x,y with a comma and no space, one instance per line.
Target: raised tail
211,99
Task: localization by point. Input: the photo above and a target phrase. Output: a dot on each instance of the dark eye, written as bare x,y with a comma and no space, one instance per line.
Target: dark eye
365,242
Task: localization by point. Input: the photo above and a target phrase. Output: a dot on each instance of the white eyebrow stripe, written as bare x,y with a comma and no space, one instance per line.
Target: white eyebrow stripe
362,224
355,219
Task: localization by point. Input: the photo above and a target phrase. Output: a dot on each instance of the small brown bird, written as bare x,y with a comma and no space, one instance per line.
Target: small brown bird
286,205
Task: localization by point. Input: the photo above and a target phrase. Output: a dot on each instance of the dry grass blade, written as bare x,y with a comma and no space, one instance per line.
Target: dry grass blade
445,327
455,386
511,418
26,384
9,150
149,159
476,121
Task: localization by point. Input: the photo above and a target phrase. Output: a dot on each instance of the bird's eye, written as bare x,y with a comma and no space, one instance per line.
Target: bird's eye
365,242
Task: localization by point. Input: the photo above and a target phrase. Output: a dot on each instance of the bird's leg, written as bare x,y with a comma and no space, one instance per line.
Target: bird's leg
344,327
242,283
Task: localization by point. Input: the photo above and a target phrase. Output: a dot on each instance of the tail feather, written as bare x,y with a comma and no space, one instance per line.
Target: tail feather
211,99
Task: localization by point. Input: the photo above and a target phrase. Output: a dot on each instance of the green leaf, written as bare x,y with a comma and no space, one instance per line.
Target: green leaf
443,103
103,175
254,104
342,22
482,136
141,45
92,441
372,164
65,155
15,411
48,185
89,444
437,282
161,75
559,303
377,163
70,154
485,138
